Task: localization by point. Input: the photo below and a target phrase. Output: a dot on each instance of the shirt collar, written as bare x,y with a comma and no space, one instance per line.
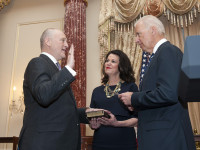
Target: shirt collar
158,44
50,57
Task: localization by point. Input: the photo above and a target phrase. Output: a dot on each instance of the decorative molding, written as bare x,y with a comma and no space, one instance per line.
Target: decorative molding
84,1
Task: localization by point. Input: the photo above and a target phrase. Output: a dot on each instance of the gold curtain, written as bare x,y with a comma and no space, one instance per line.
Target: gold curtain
127,10
181,18
180,6
3,3
181,12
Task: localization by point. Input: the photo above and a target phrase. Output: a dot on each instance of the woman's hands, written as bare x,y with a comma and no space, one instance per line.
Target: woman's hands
112,121
95,123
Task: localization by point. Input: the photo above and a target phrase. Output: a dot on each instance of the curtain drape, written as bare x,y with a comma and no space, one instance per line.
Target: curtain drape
126,11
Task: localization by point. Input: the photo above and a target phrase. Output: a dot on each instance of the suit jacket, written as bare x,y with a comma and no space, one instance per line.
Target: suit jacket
51,118
163,120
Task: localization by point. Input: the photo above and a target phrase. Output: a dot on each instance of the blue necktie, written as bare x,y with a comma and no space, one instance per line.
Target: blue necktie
58,66
146,59
150,58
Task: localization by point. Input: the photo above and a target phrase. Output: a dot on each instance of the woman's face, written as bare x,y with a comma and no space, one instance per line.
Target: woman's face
111,65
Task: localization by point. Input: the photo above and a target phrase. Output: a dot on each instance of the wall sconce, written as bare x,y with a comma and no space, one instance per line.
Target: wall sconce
17,104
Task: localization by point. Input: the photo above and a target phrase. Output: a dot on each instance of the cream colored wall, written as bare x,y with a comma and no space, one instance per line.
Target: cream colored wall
93,52
13,20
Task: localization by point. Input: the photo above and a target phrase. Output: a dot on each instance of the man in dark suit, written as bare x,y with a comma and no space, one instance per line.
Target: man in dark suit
51,118
163,120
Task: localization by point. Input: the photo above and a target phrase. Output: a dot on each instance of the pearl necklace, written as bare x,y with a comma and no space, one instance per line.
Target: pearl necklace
109,92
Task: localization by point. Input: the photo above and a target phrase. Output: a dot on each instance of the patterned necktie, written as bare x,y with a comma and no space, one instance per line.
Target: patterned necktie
58,66
151,56
146,59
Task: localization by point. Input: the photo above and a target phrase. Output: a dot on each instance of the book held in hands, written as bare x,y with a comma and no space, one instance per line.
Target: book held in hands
96,114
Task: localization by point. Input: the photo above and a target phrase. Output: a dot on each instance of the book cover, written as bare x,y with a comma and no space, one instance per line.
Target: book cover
98,113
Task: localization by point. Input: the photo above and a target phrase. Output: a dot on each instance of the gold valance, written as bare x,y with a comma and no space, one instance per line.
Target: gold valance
178,12
180,7
3,2
127,10
181,12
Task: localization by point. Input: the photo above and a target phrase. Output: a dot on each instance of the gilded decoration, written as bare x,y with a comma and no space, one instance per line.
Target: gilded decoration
154,8
3,3
84,1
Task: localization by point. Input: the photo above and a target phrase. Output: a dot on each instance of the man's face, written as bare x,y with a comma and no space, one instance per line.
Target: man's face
58,45
144,37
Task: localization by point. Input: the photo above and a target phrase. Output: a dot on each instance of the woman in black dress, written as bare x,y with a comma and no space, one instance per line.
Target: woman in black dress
116,133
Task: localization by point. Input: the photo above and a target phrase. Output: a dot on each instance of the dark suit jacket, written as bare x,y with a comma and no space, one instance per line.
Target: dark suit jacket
164,122
51,118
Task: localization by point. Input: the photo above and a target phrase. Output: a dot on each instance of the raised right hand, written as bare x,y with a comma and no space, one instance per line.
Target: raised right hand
70,58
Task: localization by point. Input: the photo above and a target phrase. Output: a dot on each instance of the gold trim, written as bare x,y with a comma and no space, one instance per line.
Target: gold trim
84,1
3,2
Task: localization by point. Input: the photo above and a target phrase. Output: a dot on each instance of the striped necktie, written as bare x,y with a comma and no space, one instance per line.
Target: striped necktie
58,66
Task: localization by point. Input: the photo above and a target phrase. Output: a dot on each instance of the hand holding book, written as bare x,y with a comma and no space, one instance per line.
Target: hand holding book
95,113
111,121
98,117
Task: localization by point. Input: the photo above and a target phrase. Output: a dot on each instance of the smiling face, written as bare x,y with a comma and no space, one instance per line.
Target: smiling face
144,37
111,65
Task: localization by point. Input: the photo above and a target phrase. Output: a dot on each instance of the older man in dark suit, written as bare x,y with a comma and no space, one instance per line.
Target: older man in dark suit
163,120
51,118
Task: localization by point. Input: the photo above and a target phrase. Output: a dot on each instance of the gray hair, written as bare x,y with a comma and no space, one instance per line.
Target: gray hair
47,33
150,21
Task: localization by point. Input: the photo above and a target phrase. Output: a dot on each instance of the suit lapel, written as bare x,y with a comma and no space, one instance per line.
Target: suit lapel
153,61
49,61
52,65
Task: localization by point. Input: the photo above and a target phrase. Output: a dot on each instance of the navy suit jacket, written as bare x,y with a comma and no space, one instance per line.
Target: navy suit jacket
163,120
51,118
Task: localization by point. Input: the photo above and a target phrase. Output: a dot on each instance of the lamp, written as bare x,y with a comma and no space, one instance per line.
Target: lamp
17,104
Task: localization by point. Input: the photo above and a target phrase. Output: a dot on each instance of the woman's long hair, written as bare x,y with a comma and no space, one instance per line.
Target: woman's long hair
124,67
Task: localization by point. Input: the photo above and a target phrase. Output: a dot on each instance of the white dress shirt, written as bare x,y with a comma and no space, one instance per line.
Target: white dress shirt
55,61
158,44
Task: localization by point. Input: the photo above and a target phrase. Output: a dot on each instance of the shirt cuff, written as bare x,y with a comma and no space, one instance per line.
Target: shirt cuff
71,70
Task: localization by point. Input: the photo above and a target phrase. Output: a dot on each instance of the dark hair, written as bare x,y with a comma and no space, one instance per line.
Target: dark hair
124,67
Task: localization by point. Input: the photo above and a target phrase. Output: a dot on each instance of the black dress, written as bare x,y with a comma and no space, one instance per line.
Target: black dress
108,137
